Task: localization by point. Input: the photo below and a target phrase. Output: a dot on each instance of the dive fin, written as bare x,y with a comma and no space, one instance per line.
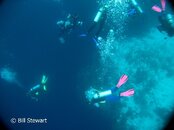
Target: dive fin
122,80
156,9
163,4
127,93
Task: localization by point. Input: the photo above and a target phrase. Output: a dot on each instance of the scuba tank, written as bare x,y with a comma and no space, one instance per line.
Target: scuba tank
138,8
105,93
99,14
101,96
35,88
170,20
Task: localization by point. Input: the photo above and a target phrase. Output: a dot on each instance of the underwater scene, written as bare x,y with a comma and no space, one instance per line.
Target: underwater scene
86,65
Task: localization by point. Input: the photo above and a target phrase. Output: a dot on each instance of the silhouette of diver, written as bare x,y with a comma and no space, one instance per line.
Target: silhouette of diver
65,27
38,90
166,19
166,23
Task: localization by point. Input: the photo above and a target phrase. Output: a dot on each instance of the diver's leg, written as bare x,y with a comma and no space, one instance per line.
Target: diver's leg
114,89
101,25
91,28
112,98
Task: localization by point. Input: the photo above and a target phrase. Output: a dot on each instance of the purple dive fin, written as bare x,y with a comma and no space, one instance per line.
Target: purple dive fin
122,80
127,93
157,9
163,4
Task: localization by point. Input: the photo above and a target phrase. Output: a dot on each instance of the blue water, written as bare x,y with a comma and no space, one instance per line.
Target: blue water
29,45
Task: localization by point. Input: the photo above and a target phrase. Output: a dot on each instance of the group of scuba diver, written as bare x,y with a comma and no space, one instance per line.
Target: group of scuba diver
93,96
97,97
166,20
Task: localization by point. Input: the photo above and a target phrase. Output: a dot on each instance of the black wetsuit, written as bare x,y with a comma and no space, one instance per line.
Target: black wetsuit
100,24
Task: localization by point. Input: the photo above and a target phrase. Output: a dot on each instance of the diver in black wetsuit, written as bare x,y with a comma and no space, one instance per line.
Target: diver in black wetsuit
166,23
99,21
66,26
166,19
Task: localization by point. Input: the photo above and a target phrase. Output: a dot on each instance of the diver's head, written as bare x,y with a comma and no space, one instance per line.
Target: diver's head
91,95
96,96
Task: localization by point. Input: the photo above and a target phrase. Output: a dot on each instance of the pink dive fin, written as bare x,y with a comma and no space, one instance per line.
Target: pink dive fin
163,3
122,80
156,8
127,93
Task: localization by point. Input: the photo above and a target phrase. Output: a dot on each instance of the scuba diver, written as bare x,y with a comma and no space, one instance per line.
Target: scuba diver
65,27
166,19
38,90
99,21
166,24
96,97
